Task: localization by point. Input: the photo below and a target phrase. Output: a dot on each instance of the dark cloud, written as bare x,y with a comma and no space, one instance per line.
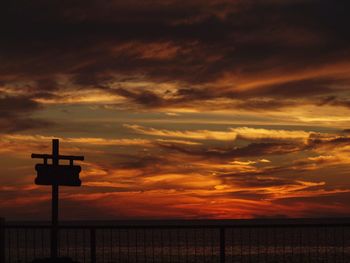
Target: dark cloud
276,147
254,181
251,150
145,98
16,105
83,39
335,101
327,205
15,114
294,89
268,97
316,141
248,195
149,163
258,104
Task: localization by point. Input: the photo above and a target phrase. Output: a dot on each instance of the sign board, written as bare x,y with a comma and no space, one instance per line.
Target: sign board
66,175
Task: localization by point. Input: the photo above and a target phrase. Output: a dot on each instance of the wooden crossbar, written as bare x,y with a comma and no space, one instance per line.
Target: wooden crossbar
59,157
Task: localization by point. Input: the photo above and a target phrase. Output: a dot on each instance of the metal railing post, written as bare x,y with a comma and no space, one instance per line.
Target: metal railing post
54,205
93,245
222,245
2,240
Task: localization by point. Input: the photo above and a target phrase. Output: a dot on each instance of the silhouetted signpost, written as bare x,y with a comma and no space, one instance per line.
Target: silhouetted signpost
55,174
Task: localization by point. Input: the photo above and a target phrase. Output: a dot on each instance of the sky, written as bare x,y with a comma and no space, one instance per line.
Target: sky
183,109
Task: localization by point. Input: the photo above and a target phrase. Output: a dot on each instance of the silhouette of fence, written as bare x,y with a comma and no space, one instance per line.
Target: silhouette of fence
221,243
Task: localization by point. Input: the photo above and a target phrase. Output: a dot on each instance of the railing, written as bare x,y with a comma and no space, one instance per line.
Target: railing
175,243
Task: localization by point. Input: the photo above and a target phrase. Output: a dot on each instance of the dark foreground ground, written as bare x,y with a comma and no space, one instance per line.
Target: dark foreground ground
297,240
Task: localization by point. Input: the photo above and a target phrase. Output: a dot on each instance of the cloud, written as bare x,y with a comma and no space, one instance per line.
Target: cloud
78,140
210,50
199,135
218,62
179,178
21,145
251,150
14,112
245,133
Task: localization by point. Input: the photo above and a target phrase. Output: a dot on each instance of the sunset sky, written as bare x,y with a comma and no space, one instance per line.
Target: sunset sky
182,109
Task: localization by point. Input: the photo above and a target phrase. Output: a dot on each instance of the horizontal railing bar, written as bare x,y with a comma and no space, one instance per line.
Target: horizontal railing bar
61,157
178,226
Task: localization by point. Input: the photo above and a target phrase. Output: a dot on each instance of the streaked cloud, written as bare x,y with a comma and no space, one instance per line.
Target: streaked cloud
232,134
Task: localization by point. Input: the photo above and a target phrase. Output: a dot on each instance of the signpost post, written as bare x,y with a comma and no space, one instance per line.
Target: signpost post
55,175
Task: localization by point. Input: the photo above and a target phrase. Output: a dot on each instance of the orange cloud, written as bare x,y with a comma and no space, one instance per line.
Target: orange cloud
230,135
